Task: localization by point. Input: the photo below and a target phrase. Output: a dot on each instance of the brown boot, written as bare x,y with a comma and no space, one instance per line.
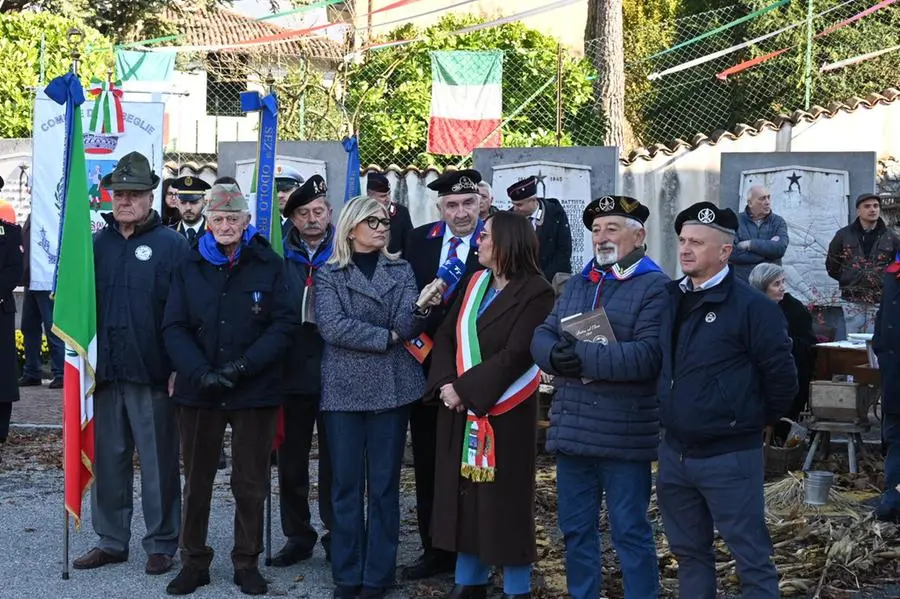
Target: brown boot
95,558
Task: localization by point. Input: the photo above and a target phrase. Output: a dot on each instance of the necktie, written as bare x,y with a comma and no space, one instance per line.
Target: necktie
191,235
454,243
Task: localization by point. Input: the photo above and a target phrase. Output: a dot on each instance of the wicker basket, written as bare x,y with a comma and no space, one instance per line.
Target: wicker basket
781,460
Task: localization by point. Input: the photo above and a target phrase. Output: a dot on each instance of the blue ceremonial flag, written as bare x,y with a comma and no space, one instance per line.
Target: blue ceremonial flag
351,146
263,185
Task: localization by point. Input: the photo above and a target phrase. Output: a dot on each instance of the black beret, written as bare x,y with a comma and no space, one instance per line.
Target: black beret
377,182
522,190
313,189
614,206
868,196
707,213
191,189
464,181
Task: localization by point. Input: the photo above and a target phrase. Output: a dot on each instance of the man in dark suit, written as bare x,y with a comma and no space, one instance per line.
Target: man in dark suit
549,221
191,192
428,247
378,187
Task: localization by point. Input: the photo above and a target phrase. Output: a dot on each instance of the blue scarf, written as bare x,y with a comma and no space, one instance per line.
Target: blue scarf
210,251
318,260
593,274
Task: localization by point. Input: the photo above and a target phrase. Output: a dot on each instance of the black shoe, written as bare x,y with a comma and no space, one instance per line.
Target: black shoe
251,581
342,592
884,513
522,596
27,381
188,581
430,564
290,554
56,383
461,591
373,593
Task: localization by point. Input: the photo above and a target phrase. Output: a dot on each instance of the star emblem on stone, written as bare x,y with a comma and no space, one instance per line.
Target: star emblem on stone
606,204
706,216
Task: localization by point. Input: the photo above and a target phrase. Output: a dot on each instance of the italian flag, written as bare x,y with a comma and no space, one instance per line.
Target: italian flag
466,101
75,322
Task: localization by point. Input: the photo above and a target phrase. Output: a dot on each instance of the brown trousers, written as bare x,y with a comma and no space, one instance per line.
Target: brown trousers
202,431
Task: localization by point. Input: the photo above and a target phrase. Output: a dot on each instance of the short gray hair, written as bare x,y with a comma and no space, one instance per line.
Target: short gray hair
486,186
763,274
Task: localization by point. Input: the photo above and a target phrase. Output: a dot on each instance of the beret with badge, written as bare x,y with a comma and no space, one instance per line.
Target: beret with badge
710,215
614,206
377,182
191,189
522,190
454,182
227,197
313,189
132,173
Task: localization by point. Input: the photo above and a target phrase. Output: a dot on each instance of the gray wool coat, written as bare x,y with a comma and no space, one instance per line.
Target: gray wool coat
361,370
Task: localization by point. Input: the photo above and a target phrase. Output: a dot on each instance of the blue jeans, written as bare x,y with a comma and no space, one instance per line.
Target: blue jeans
37,318
725,491
890,433
580,485
471,571
366,457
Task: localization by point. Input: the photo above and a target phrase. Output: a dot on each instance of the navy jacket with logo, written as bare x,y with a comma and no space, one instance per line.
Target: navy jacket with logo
133,277
217,314
730,372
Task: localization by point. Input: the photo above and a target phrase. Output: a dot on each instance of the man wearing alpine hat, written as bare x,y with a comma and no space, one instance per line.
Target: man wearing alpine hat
604,423
134,259
727,372
191,195
550,223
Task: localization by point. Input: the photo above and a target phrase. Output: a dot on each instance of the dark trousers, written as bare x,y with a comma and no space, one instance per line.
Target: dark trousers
423,430
5,417
202,431
366,457
301,414
890,436
725,491
37,318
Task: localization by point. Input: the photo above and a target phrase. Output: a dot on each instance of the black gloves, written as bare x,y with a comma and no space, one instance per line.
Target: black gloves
234,370
212,381
563,358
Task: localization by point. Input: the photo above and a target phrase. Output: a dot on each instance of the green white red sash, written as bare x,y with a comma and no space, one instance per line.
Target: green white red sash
479,450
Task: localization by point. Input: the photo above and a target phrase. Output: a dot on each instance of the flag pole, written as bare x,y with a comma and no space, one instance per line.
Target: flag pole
74,36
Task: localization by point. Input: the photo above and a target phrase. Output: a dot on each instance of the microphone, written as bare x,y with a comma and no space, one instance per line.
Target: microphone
451,272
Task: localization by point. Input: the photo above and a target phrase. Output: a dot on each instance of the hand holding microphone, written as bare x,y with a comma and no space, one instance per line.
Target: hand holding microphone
431,294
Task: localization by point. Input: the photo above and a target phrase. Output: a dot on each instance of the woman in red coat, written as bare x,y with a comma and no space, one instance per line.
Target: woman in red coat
483,374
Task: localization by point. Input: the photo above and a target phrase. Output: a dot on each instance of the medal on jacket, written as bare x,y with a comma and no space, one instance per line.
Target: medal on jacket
257,297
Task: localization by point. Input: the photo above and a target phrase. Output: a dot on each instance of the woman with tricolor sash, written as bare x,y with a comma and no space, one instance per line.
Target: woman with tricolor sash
483,374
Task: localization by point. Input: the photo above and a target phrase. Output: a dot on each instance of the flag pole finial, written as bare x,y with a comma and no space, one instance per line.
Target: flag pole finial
75,36
270,81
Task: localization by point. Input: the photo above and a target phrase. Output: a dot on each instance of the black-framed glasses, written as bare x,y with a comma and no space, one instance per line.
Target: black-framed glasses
374,221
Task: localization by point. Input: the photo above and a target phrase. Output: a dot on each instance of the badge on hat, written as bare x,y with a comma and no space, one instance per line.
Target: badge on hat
614,206
522,190
313,189
707,214
190,189
453,182
132,173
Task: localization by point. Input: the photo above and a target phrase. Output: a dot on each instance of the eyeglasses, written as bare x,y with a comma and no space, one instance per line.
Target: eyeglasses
374,221
483,235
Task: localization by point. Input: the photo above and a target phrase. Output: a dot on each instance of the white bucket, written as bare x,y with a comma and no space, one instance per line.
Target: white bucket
817,486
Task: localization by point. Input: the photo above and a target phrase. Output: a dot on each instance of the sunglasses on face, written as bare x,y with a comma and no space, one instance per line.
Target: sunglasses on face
374,221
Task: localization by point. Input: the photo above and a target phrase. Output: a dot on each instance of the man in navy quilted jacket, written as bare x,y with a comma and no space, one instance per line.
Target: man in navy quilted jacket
727,372
604,424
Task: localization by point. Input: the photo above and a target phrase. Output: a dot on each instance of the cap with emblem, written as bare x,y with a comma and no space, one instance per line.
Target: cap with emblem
522,190
452,182
377,182
614,206
710,215
866,197
287,177
132,173
226,197
313,189
191,189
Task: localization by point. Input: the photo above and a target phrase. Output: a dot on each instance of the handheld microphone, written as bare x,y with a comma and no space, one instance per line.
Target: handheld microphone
451,272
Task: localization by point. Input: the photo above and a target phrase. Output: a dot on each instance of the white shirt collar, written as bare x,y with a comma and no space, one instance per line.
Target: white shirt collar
686,286
196,226
448,235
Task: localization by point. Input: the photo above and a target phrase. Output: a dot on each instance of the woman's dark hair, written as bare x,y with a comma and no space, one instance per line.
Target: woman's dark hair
515,245
167,183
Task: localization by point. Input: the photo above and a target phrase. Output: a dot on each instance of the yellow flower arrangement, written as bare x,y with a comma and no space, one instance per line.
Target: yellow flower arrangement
20,348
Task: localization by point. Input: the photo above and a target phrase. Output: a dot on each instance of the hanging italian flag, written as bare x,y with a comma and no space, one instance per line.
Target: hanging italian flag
75,316
466,101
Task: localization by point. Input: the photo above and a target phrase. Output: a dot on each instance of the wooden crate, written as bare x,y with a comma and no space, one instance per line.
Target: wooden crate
841,402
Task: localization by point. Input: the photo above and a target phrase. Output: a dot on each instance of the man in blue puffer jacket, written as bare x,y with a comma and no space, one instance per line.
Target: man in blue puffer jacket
605,431
727,372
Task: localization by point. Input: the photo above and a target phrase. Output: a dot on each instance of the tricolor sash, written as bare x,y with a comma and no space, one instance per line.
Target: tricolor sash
479,450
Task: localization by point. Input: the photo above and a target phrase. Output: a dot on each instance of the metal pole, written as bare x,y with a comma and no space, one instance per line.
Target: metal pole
809,42
559,82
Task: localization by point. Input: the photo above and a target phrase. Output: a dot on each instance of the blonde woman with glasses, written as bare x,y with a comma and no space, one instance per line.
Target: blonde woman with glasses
367,306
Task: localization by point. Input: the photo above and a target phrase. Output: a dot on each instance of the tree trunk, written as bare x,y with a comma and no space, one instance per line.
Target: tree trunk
603,39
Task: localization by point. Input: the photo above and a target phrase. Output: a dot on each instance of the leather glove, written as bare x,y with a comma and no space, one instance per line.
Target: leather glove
212,381
234,370
564,360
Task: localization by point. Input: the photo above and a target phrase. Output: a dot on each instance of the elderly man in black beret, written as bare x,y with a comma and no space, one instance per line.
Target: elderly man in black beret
604,424
727,372
191,196
307,247
550,223
378,187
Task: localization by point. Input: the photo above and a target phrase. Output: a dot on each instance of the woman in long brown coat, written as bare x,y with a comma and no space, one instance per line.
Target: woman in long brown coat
484,375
